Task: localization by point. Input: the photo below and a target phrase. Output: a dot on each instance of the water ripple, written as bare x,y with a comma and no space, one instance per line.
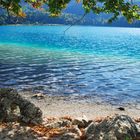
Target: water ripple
56,64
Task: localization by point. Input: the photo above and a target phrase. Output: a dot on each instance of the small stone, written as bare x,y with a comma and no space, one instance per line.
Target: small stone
44,138
121,108
82,122
1,130
11,134
38,96
76,130
68,136
59,124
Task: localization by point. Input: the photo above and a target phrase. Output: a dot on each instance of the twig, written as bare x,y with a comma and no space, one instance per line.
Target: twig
75,22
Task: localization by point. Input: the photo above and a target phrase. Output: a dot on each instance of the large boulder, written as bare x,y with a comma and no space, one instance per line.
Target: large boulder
118,128
11,102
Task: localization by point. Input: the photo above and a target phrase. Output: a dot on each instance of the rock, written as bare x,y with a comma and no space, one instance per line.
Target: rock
121,108
82,122
118,128
76,130
10,101
67,136
138,128
70,133
38,96
59,124
16,131
90,130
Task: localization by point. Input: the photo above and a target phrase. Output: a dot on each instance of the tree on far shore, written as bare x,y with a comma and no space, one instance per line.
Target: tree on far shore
54,8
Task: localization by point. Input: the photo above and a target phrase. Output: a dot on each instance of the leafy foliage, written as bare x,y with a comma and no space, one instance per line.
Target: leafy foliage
55,7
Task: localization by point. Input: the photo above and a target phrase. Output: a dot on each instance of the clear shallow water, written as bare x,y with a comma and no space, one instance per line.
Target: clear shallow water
96,61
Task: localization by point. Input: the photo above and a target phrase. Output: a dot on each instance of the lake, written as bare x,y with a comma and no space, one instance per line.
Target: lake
100,62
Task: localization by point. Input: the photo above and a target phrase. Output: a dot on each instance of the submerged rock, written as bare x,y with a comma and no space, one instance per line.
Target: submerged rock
13,106
118,128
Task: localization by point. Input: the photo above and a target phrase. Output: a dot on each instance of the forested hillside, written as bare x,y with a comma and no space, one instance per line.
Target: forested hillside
71,15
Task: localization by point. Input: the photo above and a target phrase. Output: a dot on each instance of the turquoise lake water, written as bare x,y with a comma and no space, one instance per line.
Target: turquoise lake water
97,61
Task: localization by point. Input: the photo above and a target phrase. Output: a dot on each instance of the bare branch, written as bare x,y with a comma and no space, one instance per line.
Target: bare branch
75,22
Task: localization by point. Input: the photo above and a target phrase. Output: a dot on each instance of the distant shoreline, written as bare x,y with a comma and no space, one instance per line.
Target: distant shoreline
69,25
33,25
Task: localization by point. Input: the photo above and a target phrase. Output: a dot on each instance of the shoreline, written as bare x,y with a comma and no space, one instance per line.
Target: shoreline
34,25
69,25
60,106
43,117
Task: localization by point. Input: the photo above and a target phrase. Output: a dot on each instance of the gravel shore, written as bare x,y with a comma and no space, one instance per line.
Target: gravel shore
76,106
65,118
